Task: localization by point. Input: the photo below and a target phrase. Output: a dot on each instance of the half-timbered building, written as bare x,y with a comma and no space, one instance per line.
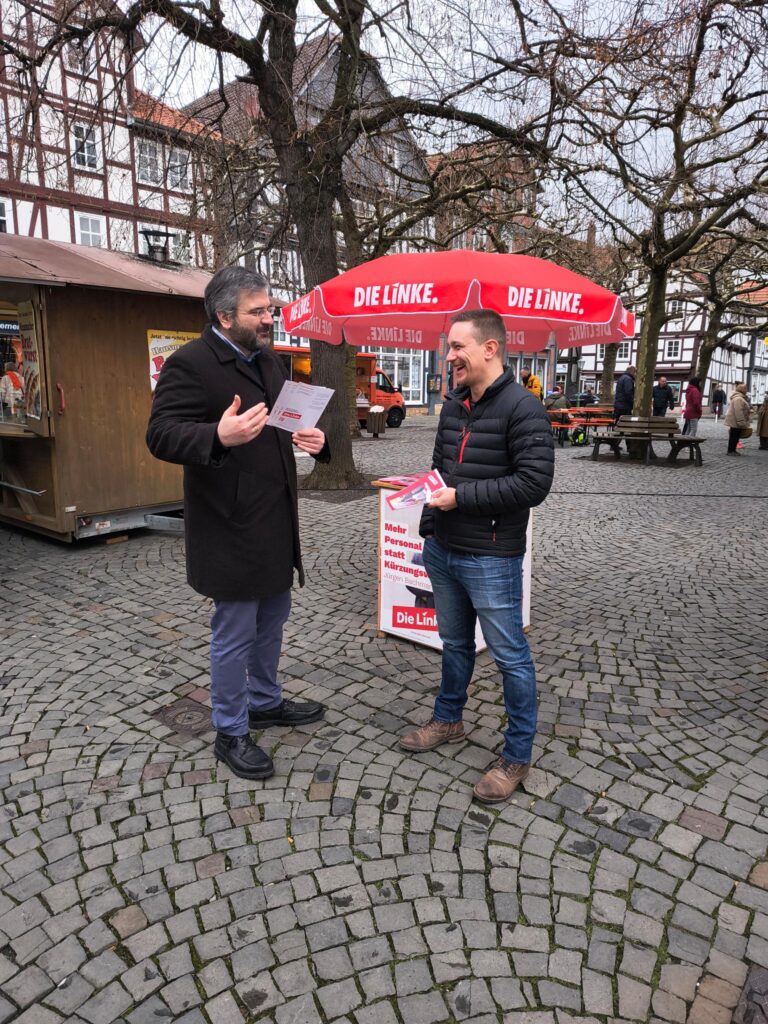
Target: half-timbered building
86,157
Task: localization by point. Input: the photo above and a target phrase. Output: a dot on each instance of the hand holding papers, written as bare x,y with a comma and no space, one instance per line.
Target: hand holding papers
419,492
298,406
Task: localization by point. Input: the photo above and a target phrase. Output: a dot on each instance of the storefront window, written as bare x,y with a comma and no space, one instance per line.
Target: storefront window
405,369
19,366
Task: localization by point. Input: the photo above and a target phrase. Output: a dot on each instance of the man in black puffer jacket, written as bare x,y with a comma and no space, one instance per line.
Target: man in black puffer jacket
494,450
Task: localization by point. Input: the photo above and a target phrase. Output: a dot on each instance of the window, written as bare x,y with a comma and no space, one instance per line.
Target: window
623,352
676,308
178,169
281,337
673,348
150,169
601,353
85,147
90,230
3,217
181,247
406,370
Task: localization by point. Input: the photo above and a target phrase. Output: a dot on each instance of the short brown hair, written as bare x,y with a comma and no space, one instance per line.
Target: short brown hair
487,325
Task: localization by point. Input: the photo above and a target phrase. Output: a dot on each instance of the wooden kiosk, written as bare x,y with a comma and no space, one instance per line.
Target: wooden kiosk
82,324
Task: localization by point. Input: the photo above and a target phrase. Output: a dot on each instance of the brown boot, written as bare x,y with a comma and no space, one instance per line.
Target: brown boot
432,735
501,781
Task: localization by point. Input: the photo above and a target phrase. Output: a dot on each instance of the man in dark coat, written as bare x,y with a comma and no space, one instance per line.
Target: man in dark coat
624,398
663,398
241,519
495,452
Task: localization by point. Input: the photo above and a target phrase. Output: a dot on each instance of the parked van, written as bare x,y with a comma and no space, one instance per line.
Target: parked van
372,384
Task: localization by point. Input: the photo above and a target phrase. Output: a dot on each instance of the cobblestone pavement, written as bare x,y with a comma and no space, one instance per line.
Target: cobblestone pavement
629,882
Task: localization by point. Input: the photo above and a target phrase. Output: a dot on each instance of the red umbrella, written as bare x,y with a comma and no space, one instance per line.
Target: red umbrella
407,301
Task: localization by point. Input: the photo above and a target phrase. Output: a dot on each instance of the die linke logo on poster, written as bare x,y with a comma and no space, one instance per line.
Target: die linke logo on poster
414,618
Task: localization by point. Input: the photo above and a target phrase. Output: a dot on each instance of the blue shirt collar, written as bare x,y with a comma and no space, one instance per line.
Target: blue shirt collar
239,352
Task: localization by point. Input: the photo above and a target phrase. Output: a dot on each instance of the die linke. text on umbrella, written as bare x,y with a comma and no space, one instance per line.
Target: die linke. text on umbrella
407,294
544,298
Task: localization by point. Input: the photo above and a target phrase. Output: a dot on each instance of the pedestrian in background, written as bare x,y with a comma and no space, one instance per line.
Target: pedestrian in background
209,414
531,381
495,452
719,398
762,424
663,398
692,411
624,398
737,418
556,400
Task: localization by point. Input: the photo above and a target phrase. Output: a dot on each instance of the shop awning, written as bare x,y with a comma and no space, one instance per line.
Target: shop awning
38,261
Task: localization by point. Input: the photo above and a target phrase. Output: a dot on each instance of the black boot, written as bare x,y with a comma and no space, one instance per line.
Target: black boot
289,712
241,755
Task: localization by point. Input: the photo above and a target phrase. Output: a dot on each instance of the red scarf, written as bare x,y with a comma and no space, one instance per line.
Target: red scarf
15,380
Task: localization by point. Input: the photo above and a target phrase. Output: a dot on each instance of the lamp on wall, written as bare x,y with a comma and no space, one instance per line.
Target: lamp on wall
158,242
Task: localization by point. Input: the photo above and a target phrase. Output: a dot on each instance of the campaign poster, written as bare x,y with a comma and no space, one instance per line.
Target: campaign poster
30,362
406,604
161,345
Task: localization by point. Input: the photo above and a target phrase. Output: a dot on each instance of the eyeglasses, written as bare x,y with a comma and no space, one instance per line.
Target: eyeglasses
264,311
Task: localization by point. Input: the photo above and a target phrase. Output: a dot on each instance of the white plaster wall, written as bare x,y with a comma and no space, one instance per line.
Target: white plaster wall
55,170
59,228
51,126
24,159
117,144
85,185
121,235
179,205
120,185
150,200
24,218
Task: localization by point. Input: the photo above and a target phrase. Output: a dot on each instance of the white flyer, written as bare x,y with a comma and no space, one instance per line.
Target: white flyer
299,406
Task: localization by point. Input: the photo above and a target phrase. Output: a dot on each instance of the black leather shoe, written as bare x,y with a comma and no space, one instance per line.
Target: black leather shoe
290,712
241,755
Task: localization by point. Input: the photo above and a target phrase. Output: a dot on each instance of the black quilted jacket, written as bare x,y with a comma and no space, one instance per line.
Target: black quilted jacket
500,458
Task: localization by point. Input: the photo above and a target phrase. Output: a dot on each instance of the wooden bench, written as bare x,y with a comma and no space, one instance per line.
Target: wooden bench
644,430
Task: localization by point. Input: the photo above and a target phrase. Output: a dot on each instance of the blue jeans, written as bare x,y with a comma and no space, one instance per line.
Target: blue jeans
245,652
488,588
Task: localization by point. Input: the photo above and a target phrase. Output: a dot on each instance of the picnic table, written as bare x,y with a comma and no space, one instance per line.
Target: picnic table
589,417
643,431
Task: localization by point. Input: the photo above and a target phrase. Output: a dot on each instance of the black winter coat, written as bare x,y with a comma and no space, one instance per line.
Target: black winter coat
241,517
624,398
663,399
500,457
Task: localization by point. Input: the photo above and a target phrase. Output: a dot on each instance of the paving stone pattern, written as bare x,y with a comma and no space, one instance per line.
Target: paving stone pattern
140,882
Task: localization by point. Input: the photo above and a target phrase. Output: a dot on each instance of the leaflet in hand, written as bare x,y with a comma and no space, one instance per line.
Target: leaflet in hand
298,406
417,493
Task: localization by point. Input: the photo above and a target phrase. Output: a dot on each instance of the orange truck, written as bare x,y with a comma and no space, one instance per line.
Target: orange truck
372,384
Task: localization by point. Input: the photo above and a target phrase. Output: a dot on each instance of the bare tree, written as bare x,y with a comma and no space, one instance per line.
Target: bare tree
666,139
309,153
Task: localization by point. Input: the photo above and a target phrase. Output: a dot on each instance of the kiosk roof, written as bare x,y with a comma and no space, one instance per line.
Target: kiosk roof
37,260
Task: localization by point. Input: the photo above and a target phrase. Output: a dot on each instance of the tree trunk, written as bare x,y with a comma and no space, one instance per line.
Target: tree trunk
709,345
609,369
313,216
648,349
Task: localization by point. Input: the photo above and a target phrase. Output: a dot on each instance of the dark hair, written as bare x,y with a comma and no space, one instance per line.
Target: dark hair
222,293
696,382
487,325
